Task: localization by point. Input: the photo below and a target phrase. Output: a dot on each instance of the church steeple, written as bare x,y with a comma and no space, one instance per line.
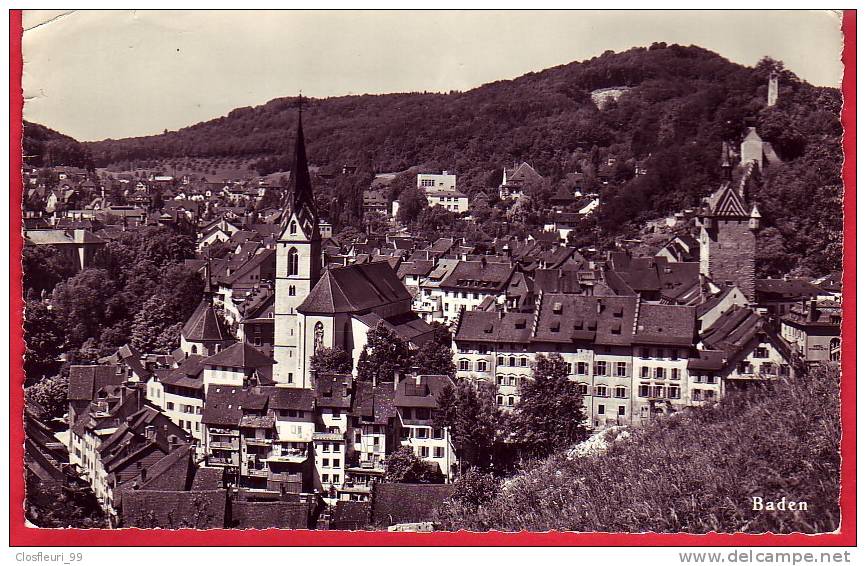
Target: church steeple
300,186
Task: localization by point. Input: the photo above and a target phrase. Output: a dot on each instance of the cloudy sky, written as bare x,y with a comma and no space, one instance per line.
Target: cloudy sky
101,74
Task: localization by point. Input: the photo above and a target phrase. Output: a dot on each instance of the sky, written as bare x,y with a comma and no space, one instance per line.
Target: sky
114,74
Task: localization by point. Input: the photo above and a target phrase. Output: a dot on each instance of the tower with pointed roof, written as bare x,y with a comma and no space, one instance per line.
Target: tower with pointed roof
727,239
204,334
299,266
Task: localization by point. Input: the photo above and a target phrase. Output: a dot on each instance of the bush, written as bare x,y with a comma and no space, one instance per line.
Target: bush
692,472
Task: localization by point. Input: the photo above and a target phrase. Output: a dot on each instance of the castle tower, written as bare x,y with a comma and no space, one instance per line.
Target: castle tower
299,266
728,238
773,89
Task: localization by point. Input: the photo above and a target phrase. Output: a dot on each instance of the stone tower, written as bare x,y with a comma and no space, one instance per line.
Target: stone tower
299,266
773,89
728,237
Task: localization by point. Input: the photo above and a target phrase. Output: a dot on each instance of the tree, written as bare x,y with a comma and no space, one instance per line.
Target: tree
403,466
412,201
471,415
50,395
550,413
44,267
44,339
81,303
384,355
331,360
154,329
432,358
474,488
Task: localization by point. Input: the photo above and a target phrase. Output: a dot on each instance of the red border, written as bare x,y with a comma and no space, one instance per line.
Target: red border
23,536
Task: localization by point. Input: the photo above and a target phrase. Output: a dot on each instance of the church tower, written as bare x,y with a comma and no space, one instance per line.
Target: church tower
299,266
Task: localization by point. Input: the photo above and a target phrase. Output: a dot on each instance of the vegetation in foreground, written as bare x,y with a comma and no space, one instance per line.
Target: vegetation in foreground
694,472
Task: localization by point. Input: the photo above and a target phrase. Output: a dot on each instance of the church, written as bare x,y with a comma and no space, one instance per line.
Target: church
316,307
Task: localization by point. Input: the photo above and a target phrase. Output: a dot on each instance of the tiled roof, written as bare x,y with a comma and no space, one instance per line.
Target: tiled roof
394,503
85,381
333,390
665,324
293,398
420,391
204,325
792,288
408,326
239,355
374,405
355,288
224,405
478,276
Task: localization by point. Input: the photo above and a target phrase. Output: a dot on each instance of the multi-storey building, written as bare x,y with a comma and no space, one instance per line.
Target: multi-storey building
415,400
813,330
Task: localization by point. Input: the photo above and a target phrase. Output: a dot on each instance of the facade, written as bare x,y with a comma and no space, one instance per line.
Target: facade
444,181
813,330
415,404
449,199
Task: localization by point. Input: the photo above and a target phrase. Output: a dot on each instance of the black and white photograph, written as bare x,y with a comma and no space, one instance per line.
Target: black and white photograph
433,270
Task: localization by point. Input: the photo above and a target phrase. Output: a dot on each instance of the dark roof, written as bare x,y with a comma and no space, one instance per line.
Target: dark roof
270,515
204,325
355,288
708,360
292,398
394,503
791,288
408,326
239,355
85,381
174,509
665,324
333,390
420,391
417,267
478,276
375,405
224,404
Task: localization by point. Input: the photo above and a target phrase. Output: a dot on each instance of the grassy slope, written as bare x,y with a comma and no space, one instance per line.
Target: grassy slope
694,473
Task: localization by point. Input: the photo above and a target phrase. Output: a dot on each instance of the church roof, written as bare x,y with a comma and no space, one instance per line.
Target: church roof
204,325
299,198
355,288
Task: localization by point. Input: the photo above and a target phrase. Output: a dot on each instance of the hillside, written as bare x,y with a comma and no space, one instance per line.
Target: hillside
44,147
675,106
694,472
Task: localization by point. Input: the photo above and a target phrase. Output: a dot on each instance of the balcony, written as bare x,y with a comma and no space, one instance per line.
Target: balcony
257,472
258,441
329,436
217,461
223,445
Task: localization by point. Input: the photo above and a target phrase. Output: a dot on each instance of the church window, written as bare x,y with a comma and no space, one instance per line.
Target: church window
292,265
194,349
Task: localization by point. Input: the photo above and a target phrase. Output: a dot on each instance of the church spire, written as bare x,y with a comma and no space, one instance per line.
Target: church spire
301,189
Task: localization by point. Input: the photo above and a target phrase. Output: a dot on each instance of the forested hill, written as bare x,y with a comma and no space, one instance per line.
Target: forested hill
680,104
46,147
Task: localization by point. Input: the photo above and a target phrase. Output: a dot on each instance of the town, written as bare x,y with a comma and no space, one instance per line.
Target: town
307,388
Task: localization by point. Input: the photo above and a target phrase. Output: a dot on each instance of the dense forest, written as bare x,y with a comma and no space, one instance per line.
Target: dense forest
44,147
679,104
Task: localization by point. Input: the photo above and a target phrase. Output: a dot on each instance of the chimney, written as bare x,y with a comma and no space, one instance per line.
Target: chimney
150,433
143,475
599,307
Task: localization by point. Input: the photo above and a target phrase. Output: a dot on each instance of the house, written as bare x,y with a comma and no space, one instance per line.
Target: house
812,327
444,181
415,401
78,246
470,282
333,404
374,202
779,296
371,438
449,199
517,181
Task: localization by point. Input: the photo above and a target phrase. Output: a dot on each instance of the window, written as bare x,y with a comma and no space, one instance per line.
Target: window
621,411
601,391
293,227
761,352
482,365
600,368
438,433
620,369
657,391
582,368
512,361
500,360
696,394
336,465
510,401
523,362
292,262
675,373
601,409
499,400
336,413
326,447
422,433
660,373
463,365
291,290
645,353
326,462
620,392
169,405
406,433
835,350
438,452
674,392
500,380
644,372
325,478
357,437
582,389
424,451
